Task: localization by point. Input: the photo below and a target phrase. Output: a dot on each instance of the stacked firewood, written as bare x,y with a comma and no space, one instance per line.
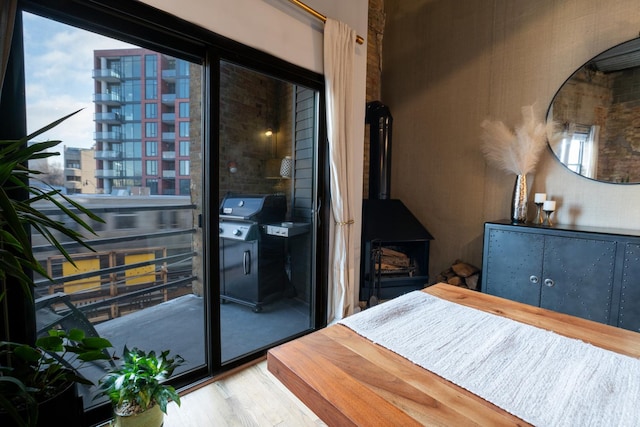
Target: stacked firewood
461,274
391,260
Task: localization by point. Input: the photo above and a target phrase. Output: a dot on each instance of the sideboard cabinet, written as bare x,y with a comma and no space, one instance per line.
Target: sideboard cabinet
589,272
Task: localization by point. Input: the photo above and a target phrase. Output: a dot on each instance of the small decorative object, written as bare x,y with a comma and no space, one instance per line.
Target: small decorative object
286,167
548,207
136,389
539,199
516,152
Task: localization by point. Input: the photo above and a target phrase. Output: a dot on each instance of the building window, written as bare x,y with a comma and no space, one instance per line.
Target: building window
151,89
152,184
152,167
184,109
151,111
185,185
184,167
184,129
151,130
184,148
151,148
150,66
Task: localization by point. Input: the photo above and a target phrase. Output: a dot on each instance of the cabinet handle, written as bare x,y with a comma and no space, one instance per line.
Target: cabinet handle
549,283
534,279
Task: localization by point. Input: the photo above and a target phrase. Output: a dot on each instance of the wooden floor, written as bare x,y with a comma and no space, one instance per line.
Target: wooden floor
249,397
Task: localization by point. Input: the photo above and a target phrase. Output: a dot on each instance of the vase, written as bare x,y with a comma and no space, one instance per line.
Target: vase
519,200
152,417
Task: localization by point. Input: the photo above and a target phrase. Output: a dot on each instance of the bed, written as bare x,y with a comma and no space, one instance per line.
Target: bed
347,379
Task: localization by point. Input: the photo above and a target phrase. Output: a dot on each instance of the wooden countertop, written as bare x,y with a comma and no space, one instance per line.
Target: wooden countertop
347,380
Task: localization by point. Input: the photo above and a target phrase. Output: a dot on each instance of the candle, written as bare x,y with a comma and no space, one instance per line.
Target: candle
549,205
540,197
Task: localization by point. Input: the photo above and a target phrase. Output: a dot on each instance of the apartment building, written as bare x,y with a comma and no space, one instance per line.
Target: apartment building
142,122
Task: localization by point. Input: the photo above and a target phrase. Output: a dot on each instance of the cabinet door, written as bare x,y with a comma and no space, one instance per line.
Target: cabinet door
629,313
578,277
513,265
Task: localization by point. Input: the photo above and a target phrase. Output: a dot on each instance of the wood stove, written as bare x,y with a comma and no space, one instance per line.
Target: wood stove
395,245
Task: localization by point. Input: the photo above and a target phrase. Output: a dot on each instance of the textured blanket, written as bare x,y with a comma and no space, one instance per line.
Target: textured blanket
539,376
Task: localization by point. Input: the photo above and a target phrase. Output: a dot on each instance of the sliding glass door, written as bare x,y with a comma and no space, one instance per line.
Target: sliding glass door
267,180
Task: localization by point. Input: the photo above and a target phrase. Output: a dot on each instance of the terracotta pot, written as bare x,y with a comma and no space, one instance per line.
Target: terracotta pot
152,417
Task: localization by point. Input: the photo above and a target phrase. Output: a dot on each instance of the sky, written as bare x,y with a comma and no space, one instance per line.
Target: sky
58,68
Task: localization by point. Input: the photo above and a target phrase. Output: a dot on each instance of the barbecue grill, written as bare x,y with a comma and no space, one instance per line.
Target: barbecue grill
252,262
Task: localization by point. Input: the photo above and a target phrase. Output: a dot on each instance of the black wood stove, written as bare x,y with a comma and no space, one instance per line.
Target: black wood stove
389,230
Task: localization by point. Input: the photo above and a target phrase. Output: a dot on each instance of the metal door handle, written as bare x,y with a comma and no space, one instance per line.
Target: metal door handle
534,279
246,262
548,282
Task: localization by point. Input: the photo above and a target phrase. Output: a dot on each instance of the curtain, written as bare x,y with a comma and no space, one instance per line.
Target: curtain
7,17
590,154
339,46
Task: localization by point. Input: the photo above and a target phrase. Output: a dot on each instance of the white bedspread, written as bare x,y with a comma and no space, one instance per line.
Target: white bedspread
537,375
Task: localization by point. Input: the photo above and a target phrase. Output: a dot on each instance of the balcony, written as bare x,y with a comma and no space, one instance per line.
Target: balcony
112,136
169,136
107,98
169,117
169,98
108,155
109,118
169,174
168,155
106,173
169,75
107,75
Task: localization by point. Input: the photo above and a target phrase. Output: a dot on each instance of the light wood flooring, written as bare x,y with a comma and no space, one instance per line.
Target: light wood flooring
251,396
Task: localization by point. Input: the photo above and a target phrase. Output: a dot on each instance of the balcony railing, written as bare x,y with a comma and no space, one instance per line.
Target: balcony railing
107,98
106,173
112,136
168,155
168,117
107,75
112,118
168,174
168,136
108,155
169,98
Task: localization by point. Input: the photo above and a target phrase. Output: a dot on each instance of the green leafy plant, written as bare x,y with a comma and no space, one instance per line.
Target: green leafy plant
138,384
36,373
17,214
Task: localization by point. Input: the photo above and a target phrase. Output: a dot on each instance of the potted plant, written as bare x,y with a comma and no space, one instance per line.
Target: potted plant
35,376
18,215
137,389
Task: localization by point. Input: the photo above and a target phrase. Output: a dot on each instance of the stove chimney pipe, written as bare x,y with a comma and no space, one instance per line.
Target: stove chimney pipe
379,118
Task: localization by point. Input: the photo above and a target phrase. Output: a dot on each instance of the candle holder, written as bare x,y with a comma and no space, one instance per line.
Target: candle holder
539,219
548,217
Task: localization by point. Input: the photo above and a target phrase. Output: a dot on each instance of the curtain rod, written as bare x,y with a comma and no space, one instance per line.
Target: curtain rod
318,15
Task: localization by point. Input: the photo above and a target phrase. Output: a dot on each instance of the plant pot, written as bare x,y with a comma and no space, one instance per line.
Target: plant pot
152,417
64,408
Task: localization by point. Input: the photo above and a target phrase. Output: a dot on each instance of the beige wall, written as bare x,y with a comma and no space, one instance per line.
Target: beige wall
447,65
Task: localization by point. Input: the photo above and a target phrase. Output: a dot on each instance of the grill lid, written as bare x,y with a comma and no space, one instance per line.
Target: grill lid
255,207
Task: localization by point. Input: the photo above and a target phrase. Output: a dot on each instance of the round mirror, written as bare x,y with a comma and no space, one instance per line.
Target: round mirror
598,112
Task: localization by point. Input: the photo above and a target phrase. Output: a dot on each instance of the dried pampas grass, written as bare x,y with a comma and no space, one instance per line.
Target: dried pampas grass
518,151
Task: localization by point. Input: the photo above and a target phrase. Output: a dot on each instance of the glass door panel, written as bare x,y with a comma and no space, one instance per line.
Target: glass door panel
132,157
267,185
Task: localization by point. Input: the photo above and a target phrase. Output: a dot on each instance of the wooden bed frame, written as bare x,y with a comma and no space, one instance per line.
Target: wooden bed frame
349,381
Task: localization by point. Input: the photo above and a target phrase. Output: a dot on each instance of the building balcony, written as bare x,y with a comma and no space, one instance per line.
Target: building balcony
108,155
169,117
107,98
168,155
169,75
168,174
106,173
169,98
73,185
71,172
109,118
169,136
107,75
113,136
